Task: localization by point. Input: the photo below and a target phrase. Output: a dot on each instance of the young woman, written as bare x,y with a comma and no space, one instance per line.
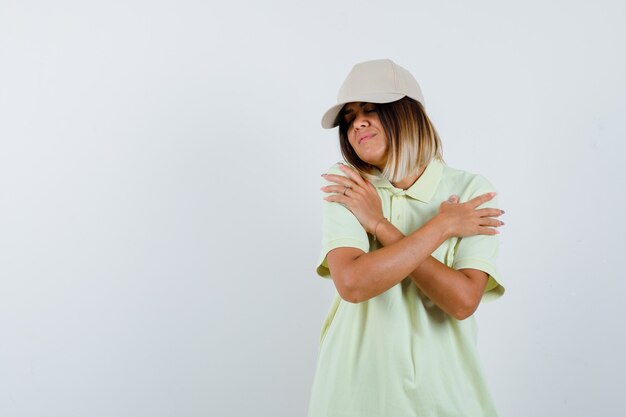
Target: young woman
410,245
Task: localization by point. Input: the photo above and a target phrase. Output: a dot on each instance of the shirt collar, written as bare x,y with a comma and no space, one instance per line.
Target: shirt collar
423,189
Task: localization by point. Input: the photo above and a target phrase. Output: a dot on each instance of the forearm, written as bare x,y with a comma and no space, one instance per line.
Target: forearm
453,291
367,275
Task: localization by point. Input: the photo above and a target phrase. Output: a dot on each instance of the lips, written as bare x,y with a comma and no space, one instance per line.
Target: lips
365,136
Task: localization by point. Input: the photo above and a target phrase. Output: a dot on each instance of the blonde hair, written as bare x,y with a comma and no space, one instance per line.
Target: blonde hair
412,141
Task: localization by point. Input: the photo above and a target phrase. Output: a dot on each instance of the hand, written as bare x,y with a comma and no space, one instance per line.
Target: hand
358,195
466,219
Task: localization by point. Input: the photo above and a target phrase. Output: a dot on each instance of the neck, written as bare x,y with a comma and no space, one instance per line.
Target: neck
410,180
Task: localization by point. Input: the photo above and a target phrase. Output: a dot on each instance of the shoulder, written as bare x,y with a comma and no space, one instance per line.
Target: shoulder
334,169
375,177
465,182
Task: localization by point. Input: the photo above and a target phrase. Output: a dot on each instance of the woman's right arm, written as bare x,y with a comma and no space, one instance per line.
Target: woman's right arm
359,276
457,292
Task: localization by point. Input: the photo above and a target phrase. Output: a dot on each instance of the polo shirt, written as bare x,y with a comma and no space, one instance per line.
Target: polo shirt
398,354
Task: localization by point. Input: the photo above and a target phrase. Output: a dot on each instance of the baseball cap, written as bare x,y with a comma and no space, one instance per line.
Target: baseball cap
377,81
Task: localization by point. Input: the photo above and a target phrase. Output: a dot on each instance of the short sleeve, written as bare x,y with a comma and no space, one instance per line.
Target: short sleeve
340,228
479,252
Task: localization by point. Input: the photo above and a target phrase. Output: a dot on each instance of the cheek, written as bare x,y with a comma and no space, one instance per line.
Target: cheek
351,139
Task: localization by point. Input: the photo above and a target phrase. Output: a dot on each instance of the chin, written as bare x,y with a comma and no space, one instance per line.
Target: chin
375,162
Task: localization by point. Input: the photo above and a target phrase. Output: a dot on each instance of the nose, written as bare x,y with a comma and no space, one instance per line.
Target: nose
361,120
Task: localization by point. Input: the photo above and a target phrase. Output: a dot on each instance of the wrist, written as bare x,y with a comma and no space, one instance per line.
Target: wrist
441,223
376,226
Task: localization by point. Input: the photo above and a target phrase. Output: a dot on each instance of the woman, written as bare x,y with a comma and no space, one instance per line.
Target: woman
410,245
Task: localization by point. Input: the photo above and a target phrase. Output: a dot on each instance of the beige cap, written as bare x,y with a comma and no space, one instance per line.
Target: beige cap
378,81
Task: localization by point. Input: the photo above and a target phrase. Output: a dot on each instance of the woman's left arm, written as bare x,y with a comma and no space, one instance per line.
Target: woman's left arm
457,292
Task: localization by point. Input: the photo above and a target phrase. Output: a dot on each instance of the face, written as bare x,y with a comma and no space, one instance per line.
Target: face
366,133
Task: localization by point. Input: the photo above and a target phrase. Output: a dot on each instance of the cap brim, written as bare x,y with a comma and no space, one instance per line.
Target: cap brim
329,120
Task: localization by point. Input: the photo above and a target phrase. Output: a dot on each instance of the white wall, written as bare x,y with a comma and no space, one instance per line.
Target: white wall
159,203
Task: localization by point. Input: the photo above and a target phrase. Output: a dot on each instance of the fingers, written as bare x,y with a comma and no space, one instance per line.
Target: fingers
353,181
488,221
339,189
339,179
453,199
337,198
487,231
352,174
481,199
490,212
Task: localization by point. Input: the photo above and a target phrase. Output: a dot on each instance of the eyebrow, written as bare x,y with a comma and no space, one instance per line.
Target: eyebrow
349,110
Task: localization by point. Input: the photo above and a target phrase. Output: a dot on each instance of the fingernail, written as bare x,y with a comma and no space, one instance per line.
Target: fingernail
323,175
502,212
501,223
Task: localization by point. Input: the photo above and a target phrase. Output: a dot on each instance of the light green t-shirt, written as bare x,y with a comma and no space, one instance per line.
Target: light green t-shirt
398,354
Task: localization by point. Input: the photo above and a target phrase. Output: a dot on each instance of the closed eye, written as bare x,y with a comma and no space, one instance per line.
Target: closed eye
349,114
369,108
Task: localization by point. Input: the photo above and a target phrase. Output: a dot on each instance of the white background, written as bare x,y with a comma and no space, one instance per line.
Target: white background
160,211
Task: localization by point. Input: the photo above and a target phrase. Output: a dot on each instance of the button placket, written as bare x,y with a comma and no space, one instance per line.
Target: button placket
397,203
